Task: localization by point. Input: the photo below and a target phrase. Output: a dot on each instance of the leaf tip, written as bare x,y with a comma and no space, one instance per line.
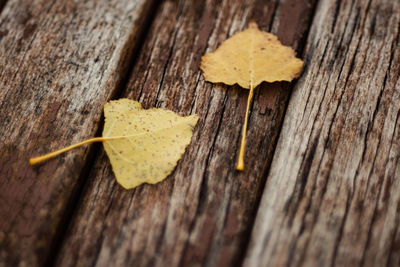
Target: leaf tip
253,24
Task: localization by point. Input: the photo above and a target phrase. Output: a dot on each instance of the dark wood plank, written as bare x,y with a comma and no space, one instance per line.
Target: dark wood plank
59,63
203,213
332,196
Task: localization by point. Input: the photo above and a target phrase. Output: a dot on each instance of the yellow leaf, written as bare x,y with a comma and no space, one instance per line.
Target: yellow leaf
248,58
143,146
156,140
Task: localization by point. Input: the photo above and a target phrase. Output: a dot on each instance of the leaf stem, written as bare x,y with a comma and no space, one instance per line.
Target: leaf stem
39,159
240,163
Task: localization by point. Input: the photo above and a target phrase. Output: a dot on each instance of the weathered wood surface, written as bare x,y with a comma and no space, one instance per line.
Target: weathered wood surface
59,63
332,196
203,213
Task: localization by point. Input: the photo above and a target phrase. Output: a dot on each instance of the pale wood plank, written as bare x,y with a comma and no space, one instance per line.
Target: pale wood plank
202,214
332,196
59,63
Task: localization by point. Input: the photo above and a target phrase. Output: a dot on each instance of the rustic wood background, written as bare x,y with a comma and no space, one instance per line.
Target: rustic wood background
321,185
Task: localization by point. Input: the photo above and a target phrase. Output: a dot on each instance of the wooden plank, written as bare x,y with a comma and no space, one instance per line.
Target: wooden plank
332,196
59,63
203,213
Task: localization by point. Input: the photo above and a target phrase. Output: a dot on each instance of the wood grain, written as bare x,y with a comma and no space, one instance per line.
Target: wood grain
332,195
203,213
59,63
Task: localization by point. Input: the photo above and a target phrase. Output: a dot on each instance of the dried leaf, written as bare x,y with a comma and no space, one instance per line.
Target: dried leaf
248,58
143,146
157,139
